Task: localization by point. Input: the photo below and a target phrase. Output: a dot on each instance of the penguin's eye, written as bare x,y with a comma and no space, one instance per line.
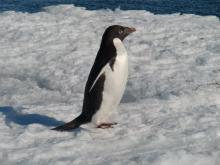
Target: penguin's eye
120,31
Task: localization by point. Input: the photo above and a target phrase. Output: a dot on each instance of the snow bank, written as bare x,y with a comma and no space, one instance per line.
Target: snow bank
170,111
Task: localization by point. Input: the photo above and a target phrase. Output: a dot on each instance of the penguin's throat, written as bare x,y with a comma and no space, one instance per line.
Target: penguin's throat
119,46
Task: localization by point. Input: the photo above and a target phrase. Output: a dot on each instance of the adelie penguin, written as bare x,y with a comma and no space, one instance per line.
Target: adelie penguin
106,82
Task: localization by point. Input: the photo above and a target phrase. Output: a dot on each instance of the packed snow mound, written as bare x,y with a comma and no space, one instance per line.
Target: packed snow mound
170,111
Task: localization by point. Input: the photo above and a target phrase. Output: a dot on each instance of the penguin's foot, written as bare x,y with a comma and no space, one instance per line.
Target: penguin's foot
106,125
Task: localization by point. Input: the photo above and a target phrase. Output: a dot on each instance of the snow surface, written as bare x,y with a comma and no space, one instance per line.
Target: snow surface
169,115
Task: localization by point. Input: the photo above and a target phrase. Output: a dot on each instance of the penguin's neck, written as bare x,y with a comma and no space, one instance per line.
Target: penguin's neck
119,46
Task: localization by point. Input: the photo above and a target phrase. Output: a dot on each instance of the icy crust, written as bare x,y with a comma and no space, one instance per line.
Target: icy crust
169,114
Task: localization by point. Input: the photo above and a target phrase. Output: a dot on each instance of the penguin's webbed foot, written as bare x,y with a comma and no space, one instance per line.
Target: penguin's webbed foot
106,125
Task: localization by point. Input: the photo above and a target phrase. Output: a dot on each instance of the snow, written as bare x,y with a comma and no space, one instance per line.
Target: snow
170,111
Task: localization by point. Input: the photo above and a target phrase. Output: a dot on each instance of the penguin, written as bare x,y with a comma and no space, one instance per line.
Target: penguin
106,81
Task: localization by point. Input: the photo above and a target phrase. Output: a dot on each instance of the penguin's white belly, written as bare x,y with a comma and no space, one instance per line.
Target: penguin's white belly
114,86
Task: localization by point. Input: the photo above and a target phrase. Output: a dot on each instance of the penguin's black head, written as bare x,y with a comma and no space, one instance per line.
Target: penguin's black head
117,31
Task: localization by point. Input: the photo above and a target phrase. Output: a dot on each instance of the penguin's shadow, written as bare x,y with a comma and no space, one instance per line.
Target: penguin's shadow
16,115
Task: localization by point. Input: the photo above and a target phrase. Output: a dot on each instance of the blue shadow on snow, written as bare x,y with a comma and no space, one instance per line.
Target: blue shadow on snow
198,7
16,116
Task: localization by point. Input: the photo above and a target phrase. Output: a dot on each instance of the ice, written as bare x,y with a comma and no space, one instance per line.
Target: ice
170,111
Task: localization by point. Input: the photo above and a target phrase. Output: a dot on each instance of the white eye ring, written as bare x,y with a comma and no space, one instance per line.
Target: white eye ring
120,31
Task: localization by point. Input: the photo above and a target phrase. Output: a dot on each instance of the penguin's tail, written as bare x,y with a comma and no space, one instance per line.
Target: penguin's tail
70,125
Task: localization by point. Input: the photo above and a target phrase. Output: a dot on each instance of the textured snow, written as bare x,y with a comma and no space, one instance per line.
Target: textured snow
170,112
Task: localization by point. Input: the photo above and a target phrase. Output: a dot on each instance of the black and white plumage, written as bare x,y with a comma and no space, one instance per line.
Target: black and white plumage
106,82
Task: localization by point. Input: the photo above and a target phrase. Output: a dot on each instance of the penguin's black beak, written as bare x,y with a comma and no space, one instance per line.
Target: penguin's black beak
129,30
